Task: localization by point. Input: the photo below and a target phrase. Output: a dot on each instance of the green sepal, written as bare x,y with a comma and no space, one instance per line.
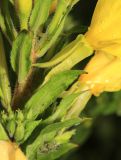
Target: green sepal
63,54
82,50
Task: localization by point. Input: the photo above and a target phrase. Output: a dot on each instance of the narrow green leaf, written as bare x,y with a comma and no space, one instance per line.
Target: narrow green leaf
3,26
4,78
55,127
39,14
79,104
48,134
11,31
20,55
65,137
58,152
63,8
3,134
29,128
63,107
47,41
55,27
60,12
49,92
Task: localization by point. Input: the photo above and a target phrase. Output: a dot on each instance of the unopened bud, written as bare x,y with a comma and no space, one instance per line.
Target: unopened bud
23,9
11,126
19,133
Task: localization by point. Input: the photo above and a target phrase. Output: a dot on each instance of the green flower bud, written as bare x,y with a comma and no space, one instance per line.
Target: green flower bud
19,133
20,116
11,126
4,117
23,9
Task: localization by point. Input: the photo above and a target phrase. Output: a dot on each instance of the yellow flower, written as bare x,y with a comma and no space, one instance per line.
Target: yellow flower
10,151
104,35
103,73
104,32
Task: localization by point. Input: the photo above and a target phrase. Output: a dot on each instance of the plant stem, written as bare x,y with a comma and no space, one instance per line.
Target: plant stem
23,91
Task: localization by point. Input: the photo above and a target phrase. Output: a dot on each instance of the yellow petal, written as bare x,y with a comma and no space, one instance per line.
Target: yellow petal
103,74
10,151
105,30
19,154
7,151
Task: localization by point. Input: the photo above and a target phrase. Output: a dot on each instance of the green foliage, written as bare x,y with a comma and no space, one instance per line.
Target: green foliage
29,128
5,90
57,152
48,134
17,126
48,93
19,132
81,51
39,14
6,22
62,108
40,105
3,135
56,26
40,126
21,55
63,54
